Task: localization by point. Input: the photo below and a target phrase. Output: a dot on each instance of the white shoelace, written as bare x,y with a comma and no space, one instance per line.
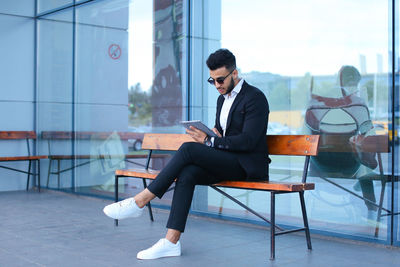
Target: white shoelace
126,202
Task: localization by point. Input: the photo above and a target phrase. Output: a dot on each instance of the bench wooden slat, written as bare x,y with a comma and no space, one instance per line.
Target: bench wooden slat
154,141
257,185
135,156
268,185
19,158
341,143
17,135
139,173
376,143
304,145
294,145
65,135
70,156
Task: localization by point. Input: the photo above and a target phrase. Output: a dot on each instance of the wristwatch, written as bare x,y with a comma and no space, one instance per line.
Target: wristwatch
207,141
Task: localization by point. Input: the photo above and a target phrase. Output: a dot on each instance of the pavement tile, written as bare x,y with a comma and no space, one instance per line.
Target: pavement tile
53,228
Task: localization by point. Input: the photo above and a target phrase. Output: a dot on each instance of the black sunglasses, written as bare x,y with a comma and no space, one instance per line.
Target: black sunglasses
219,80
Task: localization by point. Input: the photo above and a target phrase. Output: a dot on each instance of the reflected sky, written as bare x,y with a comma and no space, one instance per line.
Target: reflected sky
298,36
282,37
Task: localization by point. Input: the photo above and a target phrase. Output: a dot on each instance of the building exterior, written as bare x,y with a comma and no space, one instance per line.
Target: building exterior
117,66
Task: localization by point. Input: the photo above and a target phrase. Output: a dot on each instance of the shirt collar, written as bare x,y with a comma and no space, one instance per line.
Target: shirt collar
236,89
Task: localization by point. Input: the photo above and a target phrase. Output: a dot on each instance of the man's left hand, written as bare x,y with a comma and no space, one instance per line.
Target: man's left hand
196,134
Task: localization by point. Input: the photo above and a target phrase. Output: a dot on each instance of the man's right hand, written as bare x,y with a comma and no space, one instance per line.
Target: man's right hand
216,132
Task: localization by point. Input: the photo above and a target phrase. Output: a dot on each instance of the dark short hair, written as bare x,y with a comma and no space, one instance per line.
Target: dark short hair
221,58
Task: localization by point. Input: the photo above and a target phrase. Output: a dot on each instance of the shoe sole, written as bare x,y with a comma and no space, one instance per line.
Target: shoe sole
164,256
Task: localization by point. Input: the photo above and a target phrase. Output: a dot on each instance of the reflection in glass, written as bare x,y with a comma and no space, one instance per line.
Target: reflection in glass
167,95
347,106
344,123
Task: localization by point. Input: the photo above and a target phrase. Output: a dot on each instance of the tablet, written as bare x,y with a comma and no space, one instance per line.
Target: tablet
199,125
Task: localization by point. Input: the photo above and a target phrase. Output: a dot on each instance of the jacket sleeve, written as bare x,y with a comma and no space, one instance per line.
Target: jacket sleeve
252,117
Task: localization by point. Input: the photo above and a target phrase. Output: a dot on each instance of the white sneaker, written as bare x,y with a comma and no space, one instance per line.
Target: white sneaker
163,248
123,209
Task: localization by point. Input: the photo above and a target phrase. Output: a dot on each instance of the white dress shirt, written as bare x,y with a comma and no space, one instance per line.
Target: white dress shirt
226,106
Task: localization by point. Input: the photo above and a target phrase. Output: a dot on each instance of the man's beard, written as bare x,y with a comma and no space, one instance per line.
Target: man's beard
230,87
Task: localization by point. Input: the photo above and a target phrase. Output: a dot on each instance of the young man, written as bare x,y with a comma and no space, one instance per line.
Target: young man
239,152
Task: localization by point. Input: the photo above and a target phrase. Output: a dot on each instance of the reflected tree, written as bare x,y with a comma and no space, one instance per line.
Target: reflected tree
139,104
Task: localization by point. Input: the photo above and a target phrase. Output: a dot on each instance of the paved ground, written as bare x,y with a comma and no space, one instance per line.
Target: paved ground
58,229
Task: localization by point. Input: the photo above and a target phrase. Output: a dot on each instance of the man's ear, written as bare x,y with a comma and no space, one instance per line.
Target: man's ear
235,74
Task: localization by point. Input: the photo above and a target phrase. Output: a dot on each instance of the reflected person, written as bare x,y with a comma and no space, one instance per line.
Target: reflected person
238,152
350,78
337,120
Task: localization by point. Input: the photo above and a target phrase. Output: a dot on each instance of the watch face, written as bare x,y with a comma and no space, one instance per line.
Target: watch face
208,143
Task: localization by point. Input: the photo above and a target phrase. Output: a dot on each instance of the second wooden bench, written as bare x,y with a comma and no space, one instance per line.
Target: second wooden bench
28,136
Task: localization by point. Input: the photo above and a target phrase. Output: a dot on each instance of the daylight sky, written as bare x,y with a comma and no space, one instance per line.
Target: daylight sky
288,37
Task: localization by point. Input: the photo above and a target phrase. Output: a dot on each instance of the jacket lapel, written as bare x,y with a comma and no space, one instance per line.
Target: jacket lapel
237,100
220,102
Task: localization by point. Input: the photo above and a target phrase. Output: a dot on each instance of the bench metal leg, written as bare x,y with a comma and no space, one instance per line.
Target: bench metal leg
38,174
272,257
58,173
29,175
49,172
244,206
379,213
33,174
305,220
383,186
148,204
116,195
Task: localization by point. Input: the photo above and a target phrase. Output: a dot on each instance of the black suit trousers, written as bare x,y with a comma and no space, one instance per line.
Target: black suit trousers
194,164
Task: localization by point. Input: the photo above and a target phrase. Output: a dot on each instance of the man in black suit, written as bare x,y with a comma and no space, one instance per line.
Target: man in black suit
238,152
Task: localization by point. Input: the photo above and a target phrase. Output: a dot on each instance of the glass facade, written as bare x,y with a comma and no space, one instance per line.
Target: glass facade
322,78
103,72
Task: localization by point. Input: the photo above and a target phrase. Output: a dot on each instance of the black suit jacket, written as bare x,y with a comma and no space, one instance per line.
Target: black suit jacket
246,131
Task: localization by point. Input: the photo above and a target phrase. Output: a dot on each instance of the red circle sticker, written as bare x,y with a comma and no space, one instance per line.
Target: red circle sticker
114,51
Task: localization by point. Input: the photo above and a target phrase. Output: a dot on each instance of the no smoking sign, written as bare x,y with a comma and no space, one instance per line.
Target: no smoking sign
114,51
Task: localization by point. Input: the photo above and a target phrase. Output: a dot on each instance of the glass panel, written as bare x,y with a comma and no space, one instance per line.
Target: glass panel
18,7
101,73
55,94
116,100
47,5
323,73
396,126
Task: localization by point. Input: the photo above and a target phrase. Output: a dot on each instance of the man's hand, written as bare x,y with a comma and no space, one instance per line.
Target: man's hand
196,134
216,132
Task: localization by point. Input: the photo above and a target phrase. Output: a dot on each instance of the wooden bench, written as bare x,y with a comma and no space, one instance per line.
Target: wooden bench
87,159
20,135
292,145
